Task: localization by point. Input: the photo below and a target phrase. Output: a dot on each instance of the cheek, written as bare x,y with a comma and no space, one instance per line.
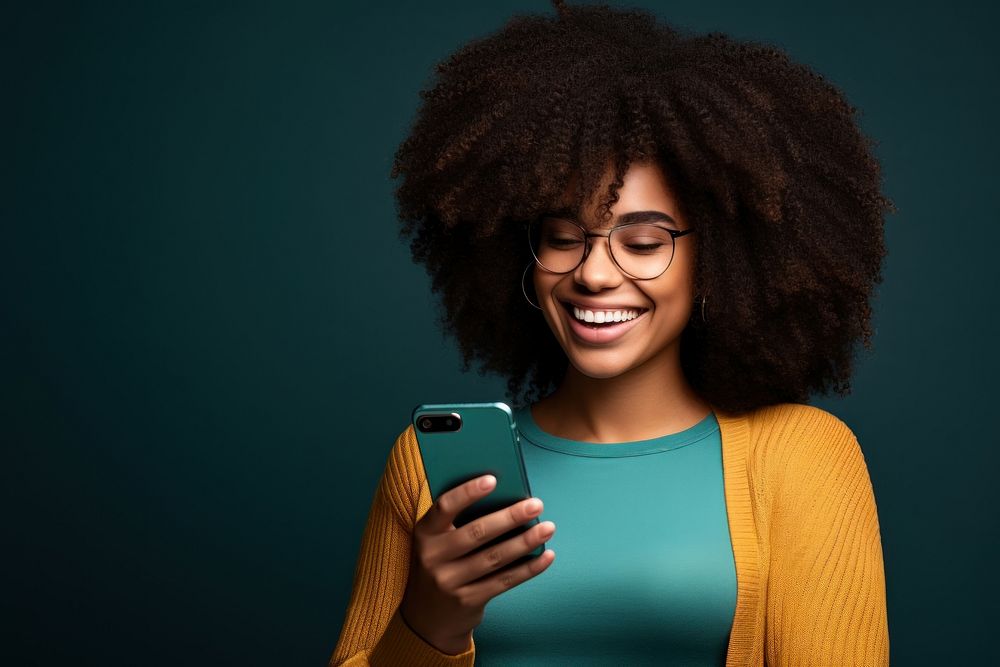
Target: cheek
673,299
684,293
543,284
681,275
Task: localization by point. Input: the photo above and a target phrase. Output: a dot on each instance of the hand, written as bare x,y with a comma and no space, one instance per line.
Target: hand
441,602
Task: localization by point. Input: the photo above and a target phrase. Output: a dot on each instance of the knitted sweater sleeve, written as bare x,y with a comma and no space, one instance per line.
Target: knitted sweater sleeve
826,601
373,632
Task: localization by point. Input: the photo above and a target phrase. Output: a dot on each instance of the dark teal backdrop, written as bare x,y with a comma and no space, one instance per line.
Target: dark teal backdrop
211,333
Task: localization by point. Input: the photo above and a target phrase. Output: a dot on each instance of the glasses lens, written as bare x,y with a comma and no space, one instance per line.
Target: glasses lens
558,245
643,251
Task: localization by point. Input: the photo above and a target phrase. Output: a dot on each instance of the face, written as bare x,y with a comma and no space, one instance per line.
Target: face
662,304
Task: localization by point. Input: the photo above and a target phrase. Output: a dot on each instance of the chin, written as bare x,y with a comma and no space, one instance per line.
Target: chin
602,369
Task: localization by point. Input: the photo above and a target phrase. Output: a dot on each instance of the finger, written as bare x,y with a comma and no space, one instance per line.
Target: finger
482,563
484,590
498,555
449,504
477,533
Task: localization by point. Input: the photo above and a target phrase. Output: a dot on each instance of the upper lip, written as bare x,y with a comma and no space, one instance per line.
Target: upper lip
590,305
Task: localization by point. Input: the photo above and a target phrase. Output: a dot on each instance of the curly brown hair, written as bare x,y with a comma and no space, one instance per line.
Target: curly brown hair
765,154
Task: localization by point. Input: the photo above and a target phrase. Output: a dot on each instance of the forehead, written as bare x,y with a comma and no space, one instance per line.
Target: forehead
644,189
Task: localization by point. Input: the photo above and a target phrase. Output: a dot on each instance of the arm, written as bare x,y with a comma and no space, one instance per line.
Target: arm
826,601
373,631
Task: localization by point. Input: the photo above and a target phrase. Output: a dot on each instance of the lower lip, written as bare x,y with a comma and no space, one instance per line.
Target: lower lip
601,335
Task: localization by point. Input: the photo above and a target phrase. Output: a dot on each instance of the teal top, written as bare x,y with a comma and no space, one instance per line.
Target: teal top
644,571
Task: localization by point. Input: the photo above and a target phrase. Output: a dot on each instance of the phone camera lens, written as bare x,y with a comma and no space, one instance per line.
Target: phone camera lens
426,424
449,421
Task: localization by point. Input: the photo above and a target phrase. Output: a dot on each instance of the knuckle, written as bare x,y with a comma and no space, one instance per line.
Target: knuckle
478,531
507,580
440,579
493,557
512,513
425,560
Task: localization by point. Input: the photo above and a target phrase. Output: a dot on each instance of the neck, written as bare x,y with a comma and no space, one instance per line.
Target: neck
649,401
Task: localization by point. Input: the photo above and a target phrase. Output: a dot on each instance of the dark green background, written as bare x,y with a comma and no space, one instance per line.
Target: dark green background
211,333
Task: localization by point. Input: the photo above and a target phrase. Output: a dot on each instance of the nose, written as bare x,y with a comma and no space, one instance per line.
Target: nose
598,271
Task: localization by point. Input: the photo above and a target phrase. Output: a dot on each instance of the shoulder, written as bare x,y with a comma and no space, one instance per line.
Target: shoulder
404,465
403,480
814,492
796,421
794,441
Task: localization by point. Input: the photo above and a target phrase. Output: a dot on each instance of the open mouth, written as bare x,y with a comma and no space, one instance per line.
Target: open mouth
600,319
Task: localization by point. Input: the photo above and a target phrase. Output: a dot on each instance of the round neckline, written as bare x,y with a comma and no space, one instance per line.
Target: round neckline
533,433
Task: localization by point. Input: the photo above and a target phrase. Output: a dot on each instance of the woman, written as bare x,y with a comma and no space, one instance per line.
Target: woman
702,226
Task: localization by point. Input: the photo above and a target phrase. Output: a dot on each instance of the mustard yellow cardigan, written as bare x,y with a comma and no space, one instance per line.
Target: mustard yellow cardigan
804,530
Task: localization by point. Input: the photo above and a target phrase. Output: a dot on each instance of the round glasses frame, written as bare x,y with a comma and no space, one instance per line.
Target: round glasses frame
674,235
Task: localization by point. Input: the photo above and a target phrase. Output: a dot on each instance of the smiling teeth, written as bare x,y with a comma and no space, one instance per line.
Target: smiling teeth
602,316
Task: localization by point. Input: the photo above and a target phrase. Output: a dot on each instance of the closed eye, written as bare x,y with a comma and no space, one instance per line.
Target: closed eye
645,247
564,242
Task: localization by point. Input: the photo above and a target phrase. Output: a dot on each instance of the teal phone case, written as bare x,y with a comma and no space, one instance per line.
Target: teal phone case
486,443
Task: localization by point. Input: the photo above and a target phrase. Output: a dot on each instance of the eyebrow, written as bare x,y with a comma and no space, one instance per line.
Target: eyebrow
624,219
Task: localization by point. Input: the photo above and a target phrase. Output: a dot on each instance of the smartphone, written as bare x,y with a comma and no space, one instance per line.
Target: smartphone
461,441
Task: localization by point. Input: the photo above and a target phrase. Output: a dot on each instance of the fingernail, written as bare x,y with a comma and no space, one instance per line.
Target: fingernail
487,482
548,528
533,506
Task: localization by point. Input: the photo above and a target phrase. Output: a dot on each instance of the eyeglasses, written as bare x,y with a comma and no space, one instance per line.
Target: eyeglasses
642,250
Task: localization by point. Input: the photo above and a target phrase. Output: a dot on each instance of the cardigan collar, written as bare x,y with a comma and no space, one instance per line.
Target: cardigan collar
735,434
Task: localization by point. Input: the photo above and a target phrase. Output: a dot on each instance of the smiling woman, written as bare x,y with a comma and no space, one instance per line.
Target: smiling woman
665,242
649,275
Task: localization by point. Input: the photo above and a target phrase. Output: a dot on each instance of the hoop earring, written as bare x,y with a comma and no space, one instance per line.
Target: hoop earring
524,290
703,300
